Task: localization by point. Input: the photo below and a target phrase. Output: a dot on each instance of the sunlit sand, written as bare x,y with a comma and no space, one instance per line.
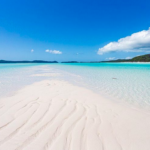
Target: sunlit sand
55,115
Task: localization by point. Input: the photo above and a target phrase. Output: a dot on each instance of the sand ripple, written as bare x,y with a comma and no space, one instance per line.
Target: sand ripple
54,115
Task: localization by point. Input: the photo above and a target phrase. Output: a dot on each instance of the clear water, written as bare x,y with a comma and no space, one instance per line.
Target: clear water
128,82
15,76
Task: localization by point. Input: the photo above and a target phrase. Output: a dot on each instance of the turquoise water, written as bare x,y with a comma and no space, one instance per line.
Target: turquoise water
129,82
122,81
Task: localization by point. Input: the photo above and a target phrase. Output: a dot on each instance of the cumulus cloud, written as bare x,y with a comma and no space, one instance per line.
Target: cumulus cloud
32,50
137,42
53,51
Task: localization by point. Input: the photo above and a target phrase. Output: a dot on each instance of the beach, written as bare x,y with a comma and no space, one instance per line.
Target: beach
75,75
57,115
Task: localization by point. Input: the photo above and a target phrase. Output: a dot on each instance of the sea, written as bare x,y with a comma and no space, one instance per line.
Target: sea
121,82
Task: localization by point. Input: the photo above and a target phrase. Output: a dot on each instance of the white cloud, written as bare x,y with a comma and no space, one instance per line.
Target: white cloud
47,50
137,42
53,51
32,50
128,57
110,58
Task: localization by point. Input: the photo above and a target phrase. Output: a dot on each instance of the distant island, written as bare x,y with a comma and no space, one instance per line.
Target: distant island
70,62
142,58
34,61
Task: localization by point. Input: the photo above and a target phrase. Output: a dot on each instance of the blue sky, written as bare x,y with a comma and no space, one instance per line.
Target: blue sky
73,29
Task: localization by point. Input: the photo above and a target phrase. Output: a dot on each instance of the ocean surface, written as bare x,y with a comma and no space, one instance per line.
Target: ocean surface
122,82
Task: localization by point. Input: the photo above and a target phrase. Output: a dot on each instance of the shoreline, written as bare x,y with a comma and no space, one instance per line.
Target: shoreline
54,114
109,89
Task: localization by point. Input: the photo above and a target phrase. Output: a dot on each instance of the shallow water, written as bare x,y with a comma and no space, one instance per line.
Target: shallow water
129,82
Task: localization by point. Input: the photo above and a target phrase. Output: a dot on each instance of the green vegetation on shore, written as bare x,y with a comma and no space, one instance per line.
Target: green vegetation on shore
34,61
142,58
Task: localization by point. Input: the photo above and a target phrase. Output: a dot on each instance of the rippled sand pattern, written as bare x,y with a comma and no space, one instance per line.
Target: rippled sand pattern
54,115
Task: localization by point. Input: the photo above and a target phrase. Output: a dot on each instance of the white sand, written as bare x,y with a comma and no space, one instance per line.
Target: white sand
55,115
